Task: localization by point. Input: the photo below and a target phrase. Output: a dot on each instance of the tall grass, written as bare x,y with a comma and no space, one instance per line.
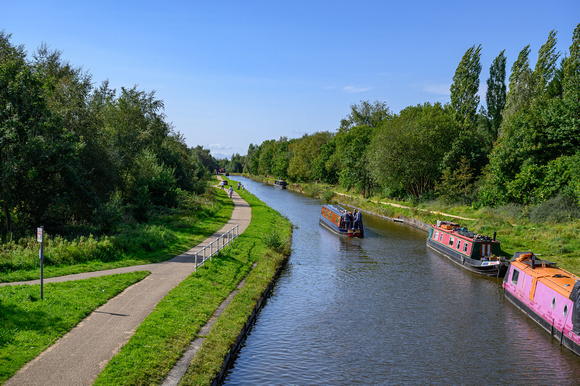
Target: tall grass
168,233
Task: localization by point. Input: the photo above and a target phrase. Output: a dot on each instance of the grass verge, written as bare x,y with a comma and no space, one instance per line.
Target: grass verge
554,241
29,325
166,333
169,233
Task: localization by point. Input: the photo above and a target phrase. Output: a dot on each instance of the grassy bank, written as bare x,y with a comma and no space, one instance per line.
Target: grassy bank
554,241
547,229
162,338
170,232
29,325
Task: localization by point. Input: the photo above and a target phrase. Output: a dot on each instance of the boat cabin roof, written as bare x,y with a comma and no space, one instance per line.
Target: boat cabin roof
546,272
334,208
462,232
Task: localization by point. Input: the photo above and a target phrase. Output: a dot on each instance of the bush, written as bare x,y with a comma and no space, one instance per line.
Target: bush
274,241
558,209
328,195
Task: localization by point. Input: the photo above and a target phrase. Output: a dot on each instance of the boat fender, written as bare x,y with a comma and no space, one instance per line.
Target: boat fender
462,260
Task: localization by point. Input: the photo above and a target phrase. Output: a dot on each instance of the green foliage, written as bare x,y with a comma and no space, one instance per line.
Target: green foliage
555,210
304,154
68,150
495,96
407,151
366,114
521,84
170,232
277,243
545,69
457,186
464,98
328,195
351,154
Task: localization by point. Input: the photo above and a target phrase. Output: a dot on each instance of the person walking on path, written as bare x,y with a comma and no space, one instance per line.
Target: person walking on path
231,191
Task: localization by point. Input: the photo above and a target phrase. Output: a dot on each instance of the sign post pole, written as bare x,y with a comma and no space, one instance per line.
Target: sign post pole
39,237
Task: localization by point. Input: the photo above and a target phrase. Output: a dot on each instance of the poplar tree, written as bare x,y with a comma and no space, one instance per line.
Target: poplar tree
546,65
572,63
519,92
464,98
495,96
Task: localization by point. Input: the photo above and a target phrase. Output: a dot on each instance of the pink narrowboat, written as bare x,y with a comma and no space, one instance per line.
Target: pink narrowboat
547,294
467,249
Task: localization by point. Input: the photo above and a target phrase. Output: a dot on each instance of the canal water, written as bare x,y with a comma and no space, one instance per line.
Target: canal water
384,309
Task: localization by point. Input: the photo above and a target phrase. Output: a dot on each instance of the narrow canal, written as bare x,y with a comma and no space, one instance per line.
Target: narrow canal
383,310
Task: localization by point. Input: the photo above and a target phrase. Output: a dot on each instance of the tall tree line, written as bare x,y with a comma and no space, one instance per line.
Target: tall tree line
522,146
75,155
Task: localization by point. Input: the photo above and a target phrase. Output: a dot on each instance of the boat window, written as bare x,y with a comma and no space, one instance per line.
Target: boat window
458,244
553,303
465,247
515,275
441,237
451,240
565,310
436,235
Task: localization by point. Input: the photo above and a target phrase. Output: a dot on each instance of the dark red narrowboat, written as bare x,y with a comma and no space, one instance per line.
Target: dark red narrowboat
474,252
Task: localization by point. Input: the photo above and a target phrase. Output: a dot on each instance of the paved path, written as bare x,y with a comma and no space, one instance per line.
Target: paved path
79,356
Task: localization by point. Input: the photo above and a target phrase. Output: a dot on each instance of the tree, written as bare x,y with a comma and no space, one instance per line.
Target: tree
495,96
571,65
369,114
464,98
521,84
406,152
546,65
351,149
304,153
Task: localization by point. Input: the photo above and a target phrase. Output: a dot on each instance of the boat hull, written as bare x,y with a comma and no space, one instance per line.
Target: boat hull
556,333
547,294
488,268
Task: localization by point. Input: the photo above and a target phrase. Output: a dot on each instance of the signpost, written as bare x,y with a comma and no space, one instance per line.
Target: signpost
39,238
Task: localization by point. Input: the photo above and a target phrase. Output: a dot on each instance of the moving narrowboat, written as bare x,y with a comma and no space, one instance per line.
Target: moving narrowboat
547,294
469,250
335,218
280,184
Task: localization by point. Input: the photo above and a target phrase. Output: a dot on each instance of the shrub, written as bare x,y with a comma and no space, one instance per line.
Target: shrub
328,195
558,209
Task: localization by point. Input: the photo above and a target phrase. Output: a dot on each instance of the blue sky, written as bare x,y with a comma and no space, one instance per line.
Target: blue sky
233,73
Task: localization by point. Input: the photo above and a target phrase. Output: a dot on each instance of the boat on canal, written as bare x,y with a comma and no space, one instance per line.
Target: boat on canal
280,184
547,294
333,217
474,252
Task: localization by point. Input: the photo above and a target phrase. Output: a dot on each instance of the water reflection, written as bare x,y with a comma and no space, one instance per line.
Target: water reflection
384,309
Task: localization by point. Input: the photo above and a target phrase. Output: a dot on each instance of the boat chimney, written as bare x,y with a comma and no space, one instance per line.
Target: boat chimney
532,262
494,232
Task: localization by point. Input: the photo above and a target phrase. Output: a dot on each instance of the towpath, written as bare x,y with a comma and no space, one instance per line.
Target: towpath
79,356
408,207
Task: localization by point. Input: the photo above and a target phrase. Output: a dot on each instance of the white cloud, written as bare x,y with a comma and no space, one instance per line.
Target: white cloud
355,89
438,89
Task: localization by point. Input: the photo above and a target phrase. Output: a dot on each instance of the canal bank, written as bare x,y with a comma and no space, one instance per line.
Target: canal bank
515,226
222,342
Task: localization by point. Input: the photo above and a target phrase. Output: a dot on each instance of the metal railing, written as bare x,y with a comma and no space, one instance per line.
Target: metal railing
213,248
